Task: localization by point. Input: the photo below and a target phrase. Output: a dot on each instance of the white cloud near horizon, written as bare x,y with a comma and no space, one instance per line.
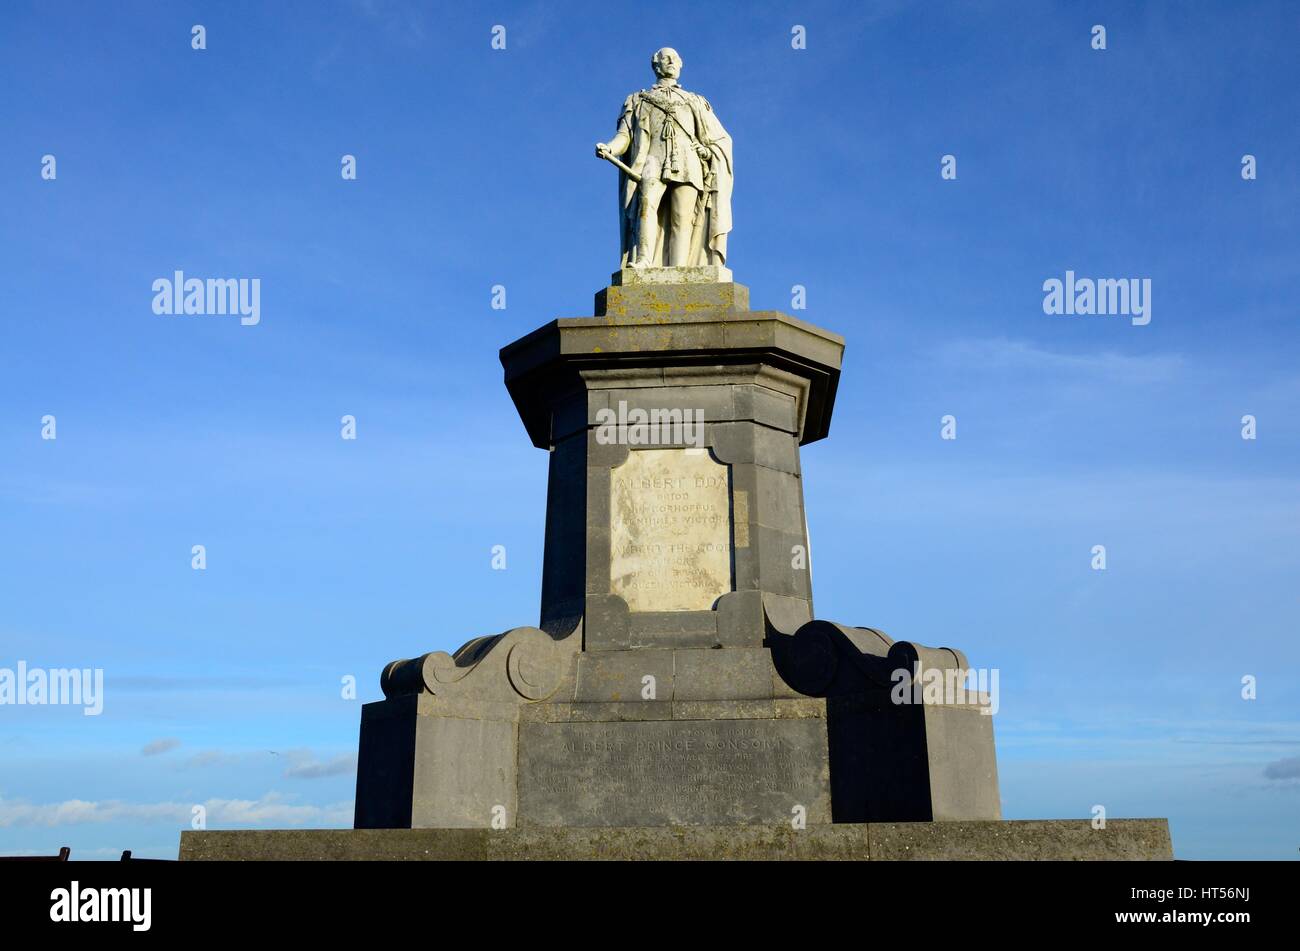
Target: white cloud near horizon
272,809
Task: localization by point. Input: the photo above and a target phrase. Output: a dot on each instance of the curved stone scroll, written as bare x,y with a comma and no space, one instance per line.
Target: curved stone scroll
524,662
895,757
823,659
535,666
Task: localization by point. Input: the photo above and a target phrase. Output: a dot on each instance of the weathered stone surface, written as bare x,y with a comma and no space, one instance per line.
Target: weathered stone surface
652,301
569,355
405,773
618,711
697,274
962,762
619,676
760,383
1022,840
670,530
929,758
684,675
1050,840
695,772
733,674
527,726
710,401
737,442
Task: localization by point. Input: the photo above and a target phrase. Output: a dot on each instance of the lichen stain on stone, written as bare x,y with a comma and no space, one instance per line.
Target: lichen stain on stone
740,517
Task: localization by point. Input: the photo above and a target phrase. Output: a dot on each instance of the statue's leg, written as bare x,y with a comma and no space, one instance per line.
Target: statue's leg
682,225
647,238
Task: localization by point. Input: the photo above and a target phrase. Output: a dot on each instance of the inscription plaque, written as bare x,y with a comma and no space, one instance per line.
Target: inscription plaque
673,772
670,530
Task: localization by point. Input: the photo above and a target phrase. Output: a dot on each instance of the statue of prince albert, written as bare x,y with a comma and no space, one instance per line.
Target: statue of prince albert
674,186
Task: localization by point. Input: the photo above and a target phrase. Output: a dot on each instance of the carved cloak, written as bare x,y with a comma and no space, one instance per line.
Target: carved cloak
713,210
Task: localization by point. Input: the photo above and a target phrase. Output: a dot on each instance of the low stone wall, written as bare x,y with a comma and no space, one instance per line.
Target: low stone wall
1013,840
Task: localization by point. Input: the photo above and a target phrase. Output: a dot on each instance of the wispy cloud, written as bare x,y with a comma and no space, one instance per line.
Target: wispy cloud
1288,768
154,747
189,684
206,758
303,764
1002,354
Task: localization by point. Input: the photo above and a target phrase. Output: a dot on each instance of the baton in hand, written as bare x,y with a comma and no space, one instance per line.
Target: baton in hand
613,160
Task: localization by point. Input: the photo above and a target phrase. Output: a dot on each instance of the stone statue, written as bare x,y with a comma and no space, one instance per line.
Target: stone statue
674,189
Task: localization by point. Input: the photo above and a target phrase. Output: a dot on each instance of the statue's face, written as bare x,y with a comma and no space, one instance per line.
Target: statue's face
667,64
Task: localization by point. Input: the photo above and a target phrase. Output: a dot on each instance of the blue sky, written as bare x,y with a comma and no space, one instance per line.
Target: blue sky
328,558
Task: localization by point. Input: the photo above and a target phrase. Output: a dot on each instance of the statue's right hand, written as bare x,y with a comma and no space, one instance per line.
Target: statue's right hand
602,149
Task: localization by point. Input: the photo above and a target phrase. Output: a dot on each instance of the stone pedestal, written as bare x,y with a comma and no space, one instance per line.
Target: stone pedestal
676,677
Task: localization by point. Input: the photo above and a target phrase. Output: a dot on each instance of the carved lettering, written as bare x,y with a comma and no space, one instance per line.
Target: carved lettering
670,530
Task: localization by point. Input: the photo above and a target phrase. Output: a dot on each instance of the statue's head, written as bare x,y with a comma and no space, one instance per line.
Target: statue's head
666,63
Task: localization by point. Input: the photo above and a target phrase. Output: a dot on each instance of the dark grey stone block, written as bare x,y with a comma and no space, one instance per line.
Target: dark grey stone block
776,449
740,615
694,772
570,353
606,623
673,629
618,711
617,676
605,456
710,402
777,559
731,674
757,710
386,764
767,407
915,761
404,777
564,563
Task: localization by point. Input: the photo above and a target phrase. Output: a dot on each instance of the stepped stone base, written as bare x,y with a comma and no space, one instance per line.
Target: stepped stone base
1025,840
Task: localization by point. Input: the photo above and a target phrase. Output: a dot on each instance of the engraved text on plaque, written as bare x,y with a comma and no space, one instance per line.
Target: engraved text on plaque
670,530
